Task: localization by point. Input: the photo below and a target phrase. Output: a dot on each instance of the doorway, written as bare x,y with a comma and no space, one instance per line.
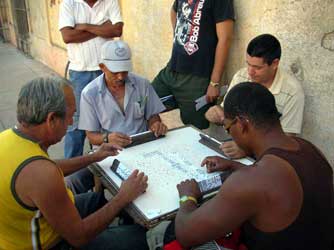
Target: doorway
4,23
21,25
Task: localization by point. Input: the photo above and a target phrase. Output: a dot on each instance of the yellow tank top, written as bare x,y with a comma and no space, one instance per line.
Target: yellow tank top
21,227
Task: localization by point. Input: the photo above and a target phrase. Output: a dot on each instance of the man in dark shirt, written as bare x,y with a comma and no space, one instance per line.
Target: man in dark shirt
284,201
202,37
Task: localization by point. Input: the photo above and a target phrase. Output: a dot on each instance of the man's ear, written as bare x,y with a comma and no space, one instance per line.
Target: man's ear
244,124
275,63
102,67
50,119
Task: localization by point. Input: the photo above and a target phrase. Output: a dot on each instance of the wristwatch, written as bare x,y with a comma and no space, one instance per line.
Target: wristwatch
214,84
185,198
106,137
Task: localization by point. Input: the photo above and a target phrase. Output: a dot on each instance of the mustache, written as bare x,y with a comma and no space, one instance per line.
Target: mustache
120,82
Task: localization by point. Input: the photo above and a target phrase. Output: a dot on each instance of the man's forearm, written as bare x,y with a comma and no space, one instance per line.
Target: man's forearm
224,33
95,138
220,60
71,35
106,30
69,166
173,18
182,229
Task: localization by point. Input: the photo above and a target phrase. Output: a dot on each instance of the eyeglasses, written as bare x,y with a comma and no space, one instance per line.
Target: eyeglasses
228,127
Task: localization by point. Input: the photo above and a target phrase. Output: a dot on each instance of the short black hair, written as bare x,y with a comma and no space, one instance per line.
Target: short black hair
265,46
254,101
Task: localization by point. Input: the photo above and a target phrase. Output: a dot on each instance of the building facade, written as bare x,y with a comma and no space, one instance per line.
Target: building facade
305,29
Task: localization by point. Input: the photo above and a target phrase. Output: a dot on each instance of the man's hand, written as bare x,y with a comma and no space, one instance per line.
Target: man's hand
212,93
189,188
105,150
158,128
216,163
119,139
215,114
232,150
133,187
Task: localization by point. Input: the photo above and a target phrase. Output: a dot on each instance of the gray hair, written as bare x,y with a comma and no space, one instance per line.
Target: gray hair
39,97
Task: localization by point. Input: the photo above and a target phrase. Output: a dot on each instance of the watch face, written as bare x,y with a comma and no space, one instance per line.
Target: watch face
105,137
214,84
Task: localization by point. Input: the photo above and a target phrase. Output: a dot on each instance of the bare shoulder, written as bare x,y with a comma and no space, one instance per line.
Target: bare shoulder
243,178
38,178
274,166
267,174
41,169
264,186
242,184
277,181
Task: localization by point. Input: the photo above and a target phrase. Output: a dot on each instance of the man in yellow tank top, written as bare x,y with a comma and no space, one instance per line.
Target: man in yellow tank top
37,211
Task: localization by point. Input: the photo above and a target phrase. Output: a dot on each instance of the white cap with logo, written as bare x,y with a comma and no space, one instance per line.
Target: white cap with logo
116,56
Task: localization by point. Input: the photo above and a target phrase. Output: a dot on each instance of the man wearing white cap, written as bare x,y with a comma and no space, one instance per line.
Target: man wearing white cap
115,105
85,25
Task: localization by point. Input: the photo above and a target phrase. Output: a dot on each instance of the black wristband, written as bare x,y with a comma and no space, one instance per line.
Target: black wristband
106,137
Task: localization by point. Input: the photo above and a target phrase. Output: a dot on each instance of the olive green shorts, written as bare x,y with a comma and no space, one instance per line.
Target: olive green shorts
185,88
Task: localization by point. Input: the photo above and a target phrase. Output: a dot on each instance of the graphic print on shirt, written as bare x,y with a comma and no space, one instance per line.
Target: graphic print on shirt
187,27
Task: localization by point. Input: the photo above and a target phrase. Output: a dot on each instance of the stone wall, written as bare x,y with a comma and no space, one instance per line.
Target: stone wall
304,27
46,43
306,31
149,32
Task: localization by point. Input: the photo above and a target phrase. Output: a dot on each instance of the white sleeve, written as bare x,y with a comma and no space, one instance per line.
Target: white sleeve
235,81
66,15
292,114
115,13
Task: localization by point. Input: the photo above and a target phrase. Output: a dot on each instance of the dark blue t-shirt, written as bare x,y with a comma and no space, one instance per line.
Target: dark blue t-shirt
195,37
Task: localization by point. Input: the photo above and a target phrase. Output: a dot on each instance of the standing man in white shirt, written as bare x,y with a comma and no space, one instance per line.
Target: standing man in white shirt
85,26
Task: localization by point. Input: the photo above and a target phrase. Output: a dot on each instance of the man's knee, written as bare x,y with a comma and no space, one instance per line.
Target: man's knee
121,238
88,203
80,181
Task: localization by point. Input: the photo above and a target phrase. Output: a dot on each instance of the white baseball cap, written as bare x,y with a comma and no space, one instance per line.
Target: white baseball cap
116,55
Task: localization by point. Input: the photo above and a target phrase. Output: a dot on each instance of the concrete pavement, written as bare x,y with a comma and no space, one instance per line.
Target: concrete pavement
16,69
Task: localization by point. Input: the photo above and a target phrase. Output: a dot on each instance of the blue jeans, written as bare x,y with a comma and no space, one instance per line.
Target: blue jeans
114,237
75,138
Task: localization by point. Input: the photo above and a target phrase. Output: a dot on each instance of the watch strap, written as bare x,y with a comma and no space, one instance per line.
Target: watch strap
106,137
214,84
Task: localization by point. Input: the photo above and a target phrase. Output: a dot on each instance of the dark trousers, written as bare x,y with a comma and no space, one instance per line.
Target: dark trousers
114,237
185,88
